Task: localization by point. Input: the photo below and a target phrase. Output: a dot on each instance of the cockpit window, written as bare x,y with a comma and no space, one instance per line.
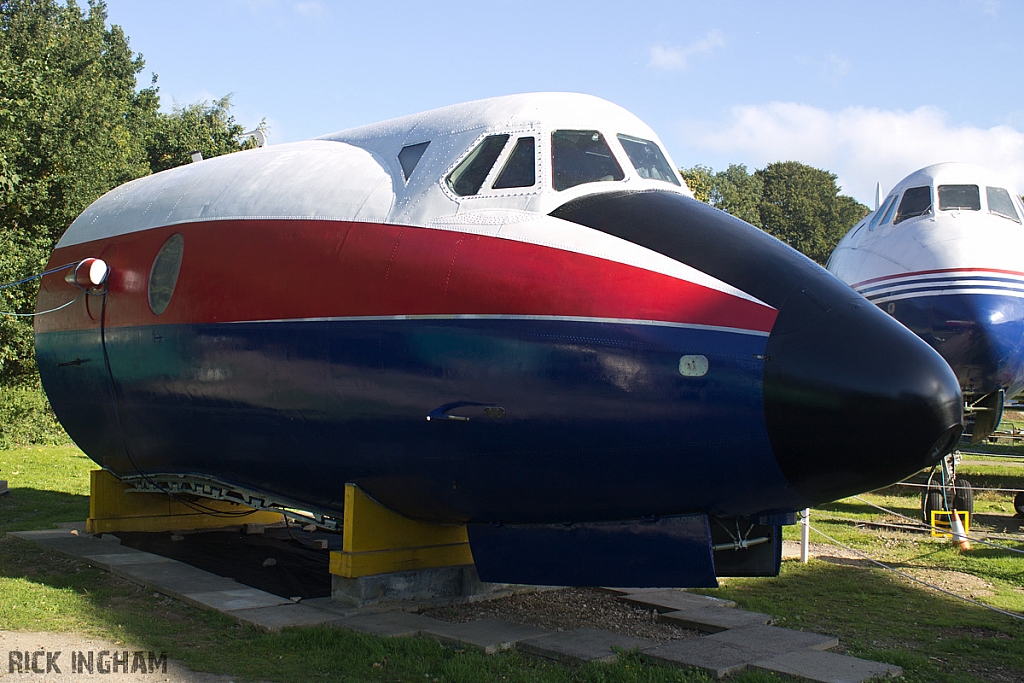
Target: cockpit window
647,159
917,201
888,212
410,156
882,211
520,167
1000,204
962,197
469,176
581,156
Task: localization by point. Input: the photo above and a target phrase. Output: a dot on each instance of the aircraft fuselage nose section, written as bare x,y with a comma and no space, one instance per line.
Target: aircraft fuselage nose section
852,399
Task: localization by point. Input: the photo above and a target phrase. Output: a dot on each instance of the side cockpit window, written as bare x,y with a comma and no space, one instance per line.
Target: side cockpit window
959,198
469,176
581,156
520,167
882,214
917,201
1000,204
648,159
410,156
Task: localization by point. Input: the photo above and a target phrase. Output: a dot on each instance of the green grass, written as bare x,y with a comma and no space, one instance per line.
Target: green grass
876,614
42,591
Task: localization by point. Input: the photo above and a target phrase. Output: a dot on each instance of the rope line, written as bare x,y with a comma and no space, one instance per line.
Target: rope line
930,527
1012,615
39,275
973,487
32,315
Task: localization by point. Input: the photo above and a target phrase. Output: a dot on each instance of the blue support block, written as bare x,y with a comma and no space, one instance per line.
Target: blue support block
664,552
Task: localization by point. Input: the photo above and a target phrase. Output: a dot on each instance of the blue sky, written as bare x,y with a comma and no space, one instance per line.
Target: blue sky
868,90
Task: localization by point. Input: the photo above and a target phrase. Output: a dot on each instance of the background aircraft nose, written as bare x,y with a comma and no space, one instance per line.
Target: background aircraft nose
853,400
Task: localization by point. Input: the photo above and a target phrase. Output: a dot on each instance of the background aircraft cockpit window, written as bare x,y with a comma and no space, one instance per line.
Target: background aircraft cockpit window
888,212
917,201
520,167
581,156
963,197
410,156
647,159
1000,204
882,211
469,176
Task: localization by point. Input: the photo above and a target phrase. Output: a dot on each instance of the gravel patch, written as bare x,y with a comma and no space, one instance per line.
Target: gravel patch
563,609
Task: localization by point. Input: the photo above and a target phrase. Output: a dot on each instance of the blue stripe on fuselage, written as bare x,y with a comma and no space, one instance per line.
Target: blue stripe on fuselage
598,421
981,336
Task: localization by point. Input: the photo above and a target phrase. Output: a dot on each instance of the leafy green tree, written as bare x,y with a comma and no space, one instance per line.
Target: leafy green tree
796,203
73,125
205,127
738,193
801,206
701,181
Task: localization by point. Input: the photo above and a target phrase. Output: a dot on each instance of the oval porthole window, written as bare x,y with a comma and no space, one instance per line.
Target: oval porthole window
164,274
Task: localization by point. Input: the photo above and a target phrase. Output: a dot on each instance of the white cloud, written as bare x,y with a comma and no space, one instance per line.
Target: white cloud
861,145
678,58
313,9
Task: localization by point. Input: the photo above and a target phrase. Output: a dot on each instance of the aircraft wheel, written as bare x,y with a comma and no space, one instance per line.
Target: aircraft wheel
964,497
1018,503
931,499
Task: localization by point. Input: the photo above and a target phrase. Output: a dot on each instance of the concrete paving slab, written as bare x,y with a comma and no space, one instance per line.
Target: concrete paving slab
674,600
234,599
388,624
75,547
278,617
581,645
714,619
772,640
36,536
826,667
717,660
126,556
489,635
336,608
173,578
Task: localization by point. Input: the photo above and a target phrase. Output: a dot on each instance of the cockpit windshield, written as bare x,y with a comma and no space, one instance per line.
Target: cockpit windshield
647,159
959,197
1000,204
917,201
581,156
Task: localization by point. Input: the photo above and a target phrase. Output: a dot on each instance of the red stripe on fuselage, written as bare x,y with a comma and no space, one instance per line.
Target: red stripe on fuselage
242,270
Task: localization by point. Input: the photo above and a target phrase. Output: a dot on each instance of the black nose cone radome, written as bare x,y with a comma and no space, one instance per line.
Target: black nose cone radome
853,400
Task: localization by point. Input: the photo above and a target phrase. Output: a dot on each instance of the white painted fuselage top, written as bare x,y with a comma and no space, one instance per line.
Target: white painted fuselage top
945,217
494,167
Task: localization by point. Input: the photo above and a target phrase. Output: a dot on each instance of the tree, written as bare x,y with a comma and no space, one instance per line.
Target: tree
796,203
701,181
205,127
73,125
801,206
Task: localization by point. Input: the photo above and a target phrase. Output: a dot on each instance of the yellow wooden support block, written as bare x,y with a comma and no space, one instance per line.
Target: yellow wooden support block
377,540
943,519
114,506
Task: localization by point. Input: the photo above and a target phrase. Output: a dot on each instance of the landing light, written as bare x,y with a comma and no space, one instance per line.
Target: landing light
89,273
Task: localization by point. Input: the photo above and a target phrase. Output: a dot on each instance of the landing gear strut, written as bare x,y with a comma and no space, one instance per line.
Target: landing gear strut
946,491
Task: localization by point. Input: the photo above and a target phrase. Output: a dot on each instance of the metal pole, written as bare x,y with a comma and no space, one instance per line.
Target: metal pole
805,533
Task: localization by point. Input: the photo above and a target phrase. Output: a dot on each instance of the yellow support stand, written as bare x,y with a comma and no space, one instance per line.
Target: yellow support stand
943,519
377,540
114,506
